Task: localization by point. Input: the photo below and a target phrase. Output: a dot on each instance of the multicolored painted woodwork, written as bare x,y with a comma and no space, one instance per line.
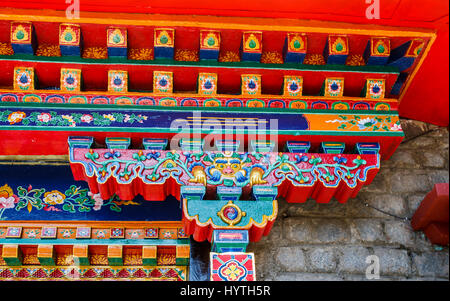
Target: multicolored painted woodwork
298,146
272,169
250,84
209,44
149,255
404,55
332,147
382,127
23,38
117,42
81,253
117,81
207,84
70,39
374,88
251,46
164,43
333,87
262,146
377,51
191,145
264,193
295,47
136,272
80,142
154,143
12,254
162,82
224,145
71,80
182,254
24,79
293,85
235,266
224,101
336,49
229,241
115,255
46,255
367,148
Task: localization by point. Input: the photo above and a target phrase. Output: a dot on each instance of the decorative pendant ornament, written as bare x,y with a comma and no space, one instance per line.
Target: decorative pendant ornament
231,214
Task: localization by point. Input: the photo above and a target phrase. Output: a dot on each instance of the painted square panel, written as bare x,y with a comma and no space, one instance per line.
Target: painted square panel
252,41
164,37
375,88
207,83
13,232
293,85
162,82
116,37
21,32
338,45
24,79
117,233
69,35
209,39
48,232
232,266
151,233
334,87
117,81
70,80
250,84
168,233
83,232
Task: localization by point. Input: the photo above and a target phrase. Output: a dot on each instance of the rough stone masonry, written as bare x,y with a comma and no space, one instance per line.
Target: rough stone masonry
312,241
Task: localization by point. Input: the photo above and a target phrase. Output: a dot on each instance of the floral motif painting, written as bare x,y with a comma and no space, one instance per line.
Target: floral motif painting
70,80
232,267
24,78
74,199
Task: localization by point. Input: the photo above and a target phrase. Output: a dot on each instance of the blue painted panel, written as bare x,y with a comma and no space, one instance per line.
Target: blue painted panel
117,51
54,195
157,119
70,50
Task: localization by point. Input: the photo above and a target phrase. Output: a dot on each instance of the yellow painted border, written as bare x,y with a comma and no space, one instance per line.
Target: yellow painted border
214,22
238,23
410,77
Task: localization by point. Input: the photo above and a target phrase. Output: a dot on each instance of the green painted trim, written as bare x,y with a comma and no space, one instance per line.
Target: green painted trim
182,261
114,261
149,261
13,261
201,63
142,108
83,261
47,261
131,242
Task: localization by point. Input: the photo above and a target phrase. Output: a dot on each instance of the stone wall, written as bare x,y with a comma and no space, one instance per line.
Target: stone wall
313,241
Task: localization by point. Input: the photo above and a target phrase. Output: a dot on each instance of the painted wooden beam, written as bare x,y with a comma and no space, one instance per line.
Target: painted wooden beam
115,255
149,254
81,254
12,254
46,255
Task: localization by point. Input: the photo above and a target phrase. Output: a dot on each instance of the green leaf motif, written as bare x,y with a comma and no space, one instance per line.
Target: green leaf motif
69,207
